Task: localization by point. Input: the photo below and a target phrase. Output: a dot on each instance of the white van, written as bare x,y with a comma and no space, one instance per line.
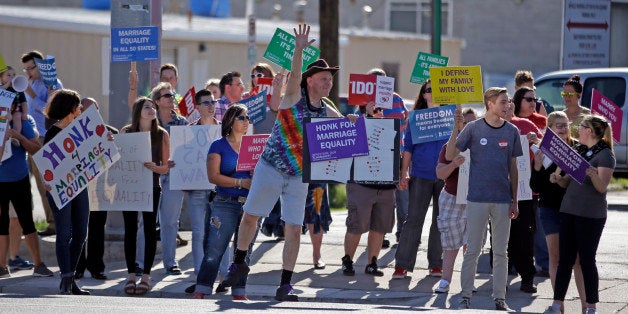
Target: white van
611,82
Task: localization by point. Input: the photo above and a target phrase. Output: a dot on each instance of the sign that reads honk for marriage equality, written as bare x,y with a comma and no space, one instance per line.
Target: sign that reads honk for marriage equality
564,156
77,155
336,138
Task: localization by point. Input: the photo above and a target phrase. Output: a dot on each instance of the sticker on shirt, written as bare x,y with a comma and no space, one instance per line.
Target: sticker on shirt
483,141
503,144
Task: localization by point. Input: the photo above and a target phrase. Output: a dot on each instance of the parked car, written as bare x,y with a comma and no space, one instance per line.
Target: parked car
611,82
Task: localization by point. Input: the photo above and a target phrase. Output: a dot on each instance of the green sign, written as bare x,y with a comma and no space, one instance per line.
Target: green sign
281,48
424,62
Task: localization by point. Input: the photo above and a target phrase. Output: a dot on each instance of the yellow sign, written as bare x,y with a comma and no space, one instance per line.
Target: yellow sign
3,65
457,85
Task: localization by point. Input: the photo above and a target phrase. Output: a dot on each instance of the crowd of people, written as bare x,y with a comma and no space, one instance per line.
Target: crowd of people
567,215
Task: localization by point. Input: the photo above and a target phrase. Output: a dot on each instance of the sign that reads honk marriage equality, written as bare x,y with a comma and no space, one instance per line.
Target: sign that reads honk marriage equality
336,138
564,156
457,85
76,156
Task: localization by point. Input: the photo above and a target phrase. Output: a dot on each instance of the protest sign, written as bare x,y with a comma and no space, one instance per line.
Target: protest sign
188,106
76,156
127,185
6,99
188,149
251,150
425,61
281,48
134,44
256,106
457,85
602,105
463,178
432,124
264,84
7,152
336,138
48,71
364,88
564,156
3,64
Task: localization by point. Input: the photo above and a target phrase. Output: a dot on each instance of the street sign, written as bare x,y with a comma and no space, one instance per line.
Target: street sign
586,34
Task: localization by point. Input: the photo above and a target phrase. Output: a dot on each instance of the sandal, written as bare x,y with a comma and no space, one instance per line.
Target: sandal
129,287
142,288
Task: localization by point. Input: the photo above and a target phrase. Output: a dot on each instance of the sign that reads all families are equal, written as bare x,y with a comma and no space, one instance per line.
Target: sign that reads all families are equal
256,106
432,124
336,138
602,105
365,88
457,85
77,155
134,44
281,48
425,61
48,71
564,156
251,150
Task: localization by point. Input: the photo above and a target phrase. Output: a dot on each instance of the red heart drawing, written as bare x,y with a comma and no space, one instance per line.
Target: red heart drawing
48,175
100,129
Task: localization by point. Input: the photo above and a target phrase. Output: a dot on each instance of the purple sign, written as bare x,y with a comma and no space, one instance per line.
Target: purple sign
564,156
336,139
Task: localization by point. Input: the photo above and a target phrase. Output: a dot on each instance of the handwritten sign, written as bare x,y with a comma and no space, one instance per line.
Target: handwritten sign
251,150
6,99
463,178
256,106
48,71
188,149
425,61
76,156
188,106
432,124
457,85
608,109
127,185
336,138
564,156
364,88
134,44
281,48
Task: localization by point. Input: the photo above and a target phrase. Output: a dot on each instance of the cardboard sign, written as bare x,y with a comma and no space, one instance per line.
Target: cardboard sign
281,48
188,149
134,44
127,185
457,85
432,124
425,61
188,107
602,105
336,138
364,88
564,156
76,156
48,71
256,106
251,150
6,100
264,84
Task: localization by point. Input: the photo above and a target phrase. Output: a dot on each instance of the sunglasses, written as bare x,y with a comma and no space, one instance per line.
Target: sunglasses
167,95
242,118
530,99
561,125
257,75
209,102
428,90
567,94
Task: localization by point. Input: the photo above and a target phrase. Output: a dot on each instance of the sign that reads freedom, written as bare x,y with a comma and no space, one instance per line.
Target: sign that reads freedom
336,138
134,44
433,124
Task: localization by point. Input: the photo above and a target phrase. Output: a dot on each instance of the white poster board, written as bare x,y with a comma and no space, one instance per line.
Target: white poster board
6,99
188,149
127,185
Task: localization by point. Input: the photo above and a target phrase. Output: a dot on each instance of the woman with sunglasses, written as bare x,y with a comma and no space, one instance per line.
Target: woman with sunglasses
572,92
583,211
232,188
525,107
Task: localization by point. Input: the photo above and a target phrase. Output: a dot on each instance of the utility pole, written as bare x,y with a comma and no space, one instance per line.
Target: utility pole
329,28
436,26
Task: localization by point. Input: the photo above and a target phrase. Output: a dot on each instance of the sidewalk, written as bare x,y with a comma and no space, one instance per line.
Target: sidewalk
330,285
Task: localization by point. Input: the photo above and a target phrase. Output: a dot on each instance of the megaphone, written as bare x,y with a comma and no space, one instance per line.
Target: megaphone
19,83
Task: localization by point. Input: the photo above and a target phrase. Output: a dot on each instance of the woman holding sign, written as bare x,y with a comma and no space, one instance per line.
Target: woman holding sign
232,188
583,211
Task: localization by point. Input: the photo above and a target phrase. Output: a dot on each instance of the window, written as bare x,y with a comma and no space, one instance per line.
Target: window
612,87
415,16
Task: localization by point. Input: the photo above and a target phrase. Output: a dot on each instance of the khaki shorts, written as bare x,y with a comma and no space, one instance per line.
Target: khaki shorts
370,209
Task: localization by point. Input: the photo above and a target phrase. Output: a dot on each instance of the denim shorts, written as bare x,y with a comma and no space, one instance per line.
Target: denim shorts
550,220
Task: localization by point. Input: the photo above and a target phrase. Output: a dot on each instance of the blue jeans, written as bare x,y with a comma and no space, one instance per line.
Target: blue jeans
169,212
71,224
402,198
220,227
198,208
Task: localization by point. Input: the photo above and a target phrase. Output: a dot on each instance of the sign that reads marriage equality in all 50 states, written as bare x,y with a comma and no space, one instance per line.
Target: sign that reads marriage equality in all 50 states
134,44
432,124
564,156
281,48
457,85
336,138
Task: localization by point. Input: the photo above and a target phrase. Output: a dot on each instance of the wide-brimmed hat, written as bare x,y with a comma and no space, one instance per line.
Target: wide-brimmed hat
319,65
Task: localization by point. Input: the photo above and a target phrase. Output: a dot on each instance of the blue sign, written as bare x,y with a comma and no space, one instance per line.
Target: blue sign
433,124
134,44
48,71
256,106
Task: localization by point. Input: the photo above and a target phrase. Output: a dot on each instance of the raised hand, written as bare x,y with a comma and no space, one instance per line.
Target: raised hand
301,40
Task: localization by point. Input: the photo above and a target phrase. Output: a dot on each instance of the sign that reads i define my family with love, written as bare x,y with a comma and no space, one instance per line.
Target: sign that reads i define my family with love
134,44
425,61
602,105
457,85
336,138
77,155
281,48
564,156
251,150
432,124
365,88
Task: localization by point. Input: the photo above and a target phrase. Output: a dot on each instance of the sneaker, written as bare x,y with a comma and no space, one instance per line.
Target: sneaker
553,309
591,310
190,289
236,271
139,271
385,244
443,286
500,305
372,269
436,272
527,286
284,293
174,270
464,304
42,271
19,264
239,298
4,272
347,266
400,273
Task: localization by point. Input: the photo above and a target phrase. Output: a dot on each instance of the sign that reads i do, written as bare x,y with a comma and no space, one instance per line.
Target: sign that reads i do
364,88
